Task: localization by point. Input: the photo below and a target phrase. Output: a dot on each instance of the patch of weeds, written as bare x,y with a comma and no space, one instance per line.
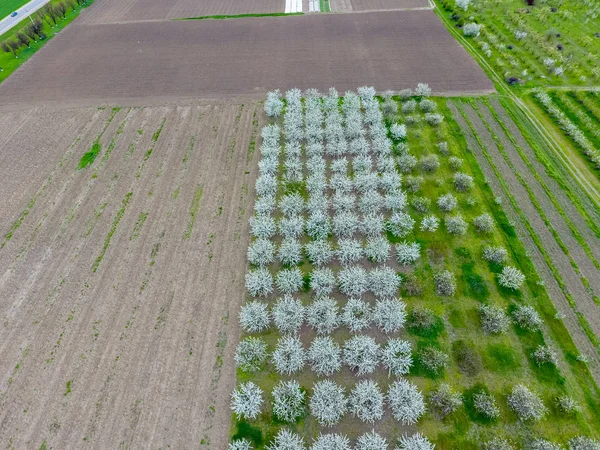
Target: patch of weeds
112,231
90,156
424,323
466,357
68,389
193,211
245,430
157,133
137,228
473,414
500,358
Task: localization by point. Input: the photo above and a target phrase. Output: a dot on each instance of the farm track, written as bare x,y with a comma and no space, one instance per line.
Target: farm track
558,296
141,339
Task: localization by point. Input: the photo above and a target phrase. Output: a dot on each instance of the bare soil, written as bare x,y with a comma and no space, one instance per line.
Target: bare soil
378,5
122,281
166,60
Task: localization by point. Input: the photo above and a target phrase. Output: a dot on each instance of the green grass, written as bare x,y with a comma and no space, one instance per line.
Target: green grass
9,6
9,63
89,157
240,16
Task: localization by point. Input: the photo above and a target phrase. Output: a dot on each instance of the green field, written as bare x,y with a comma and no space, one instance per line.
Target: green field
9,6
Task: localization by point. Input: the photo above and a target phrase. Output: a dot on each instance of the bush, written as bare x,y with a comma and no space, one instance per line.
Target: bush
319,252
445,284
400,224
288,314
398,131
493,319
408,253
525,404
377,249
566,405
287,440
240,444
430,223
361,354
433,360
255,317
366,401
353,281
484,223
383,282
496,255
527,317
288,401
447,203
289,281
328,402
290,252
429,163
471,29
455,163
456,225
349,251
434,119
543,355
467,358
246,400
288,356
462,182
498,444
511,278
331,442
357,314
325,356
406,402
583,443
371,441
444,400
485,404
396,356
322,315
415,442
251,353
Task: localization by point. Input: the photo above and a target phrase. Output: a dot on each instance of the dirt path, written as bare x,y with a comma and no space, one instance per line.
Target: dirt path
122,279
551,284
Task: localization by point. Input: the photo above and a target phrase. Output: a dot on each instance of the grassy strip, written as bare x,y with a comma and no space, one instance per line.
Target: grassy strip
240,16
8,236
193,211
9,6
324,6
583,321
9,63
112,231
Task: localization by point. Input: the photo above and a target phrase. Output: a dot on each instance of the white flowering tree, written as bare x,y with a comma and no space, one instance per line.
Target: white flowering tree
323,315
259,283
445,283
287,440
415,442
406,402
462,182
372,225
430,223
396,356
400,224
291,228
389,315
396,200
331,442
433,359
456,225
291,204
288,401
240,444
472,29
357,314
511,278
371,441
527,317
408,253
361,354
377,249
398,131
328,402
255,317
497,443
583,443
526,404
290,252
251,354
289,355
325,356
261,252
353,281
495,254
366,401
247,400
274,104
444,400
318,225
485,404
322,281
447,202
288,314
493,319
484,223
349,251
289,281
422,90
383,282
319,252
263,227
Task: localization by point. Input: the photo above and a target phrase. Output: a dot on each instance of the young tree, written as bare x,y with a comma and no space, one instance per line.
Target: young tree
485,404
415,442
423,90
396,356
495,255
430,223
328,402
566,405
246,400
444,400
493,319
384,282
456,225
542,444
527,317
325,356
288,401
497,443
511,278
322,281
408,253
331,442
544,355
23,39
366,401
361,354
472,29
357,314
462,182
261,252
353,281
240,444
484,223
349,251
289,355
445,283
455,163
434,360
400,224
323,316
447,203
583,443
251,353
406,402
371,441
398,131
525,404
429,163
288,314
389,315
463,4
289,281
255,317
287,440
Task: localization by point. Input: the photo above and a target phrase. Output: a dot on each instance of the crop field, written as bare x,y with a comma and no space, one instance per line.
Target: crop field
123,11
151,60
552,43
389,294
378,5
120,273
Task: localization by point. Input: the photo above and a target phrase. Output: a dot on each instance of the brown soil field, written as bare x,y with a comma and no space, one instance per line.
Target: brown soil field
377,5
166,60
119,11
121,281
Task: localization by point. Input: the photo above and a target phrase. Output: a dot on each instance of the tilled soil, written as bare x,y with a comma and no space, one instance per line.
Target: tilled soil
122,280
165,60
572,281
388,5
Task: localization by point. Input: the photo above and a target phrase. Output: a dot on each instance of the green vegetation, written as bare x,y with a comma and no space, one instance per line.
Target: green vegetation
9,6
112,231
90,156
137,229
193,211
324,6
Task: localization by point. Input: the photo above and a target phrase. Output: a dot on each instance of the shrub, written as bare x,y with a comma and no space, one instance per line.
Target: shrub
447,203
288,401
430,223
433,360
349,251
400,224
444,400
406,402
287,440
566,405
497,444
328,402
323,315
331,442
288,314
361,353
353,281
318,226
471,29
583,443
288,356
366,401
511,278
455,163
246,400
325,356
255,317
371,441
322,281
372,225
383,282
525,404
413,184
251,353
485,404
290,252
427,106
456,225
422,90
445,284
356,314
527,317
289,281
429,163
240,444
345,224
421,204
484,223
493,319
496,255
406,163
261,252
543,355
291,227
434,119
396,200
396,356
377,249
415,442
408,253
542,444
319,252
263,227
398,131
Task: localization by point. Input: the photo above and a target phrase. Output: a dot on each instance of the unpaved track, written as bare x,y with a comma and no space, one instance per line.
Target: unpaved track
142,338
555,292
133,62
